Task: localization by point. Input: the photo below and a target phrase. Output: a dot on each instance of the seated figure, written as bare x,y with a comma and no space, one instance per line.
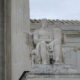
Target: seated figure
48,45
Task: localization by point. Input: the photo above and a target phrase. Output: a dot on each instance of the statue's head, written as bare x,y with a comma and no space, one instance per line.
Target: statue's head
44,23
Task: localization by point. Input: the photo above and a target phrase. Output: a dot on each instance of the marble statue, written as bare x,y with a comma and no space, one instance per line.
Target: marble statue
49,58
48,45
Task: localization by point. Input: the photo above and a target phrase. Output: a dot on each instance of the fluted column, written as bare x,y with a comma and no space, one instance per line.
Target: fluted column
17,27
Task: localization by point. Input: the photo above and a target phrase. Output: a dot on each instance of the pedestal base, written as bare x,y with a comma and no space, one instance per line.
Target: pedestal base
53,72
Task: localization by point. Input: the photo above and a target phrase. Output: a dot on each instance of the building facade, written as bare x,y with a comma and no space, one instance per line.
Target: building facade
16,39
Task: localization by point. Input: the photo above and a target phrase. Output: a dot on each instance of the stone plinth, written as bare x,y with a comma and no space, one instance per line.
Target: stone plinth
53,72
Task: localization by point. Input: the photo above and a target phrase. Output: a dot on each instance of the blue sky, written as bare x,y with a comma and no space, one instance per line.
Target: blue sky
55,9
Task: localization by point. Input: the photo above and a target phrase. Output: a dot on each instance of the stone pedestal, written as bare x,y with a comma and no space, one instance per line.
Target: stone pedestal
53,72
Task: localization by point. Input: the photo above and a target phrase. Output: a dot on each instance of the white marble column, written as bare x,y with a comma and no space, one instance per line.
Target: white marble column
20,26
17,27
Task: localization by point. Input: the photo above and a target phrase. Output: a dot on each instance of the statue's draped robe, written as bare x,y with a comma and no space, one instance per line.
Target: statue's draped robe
42,53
